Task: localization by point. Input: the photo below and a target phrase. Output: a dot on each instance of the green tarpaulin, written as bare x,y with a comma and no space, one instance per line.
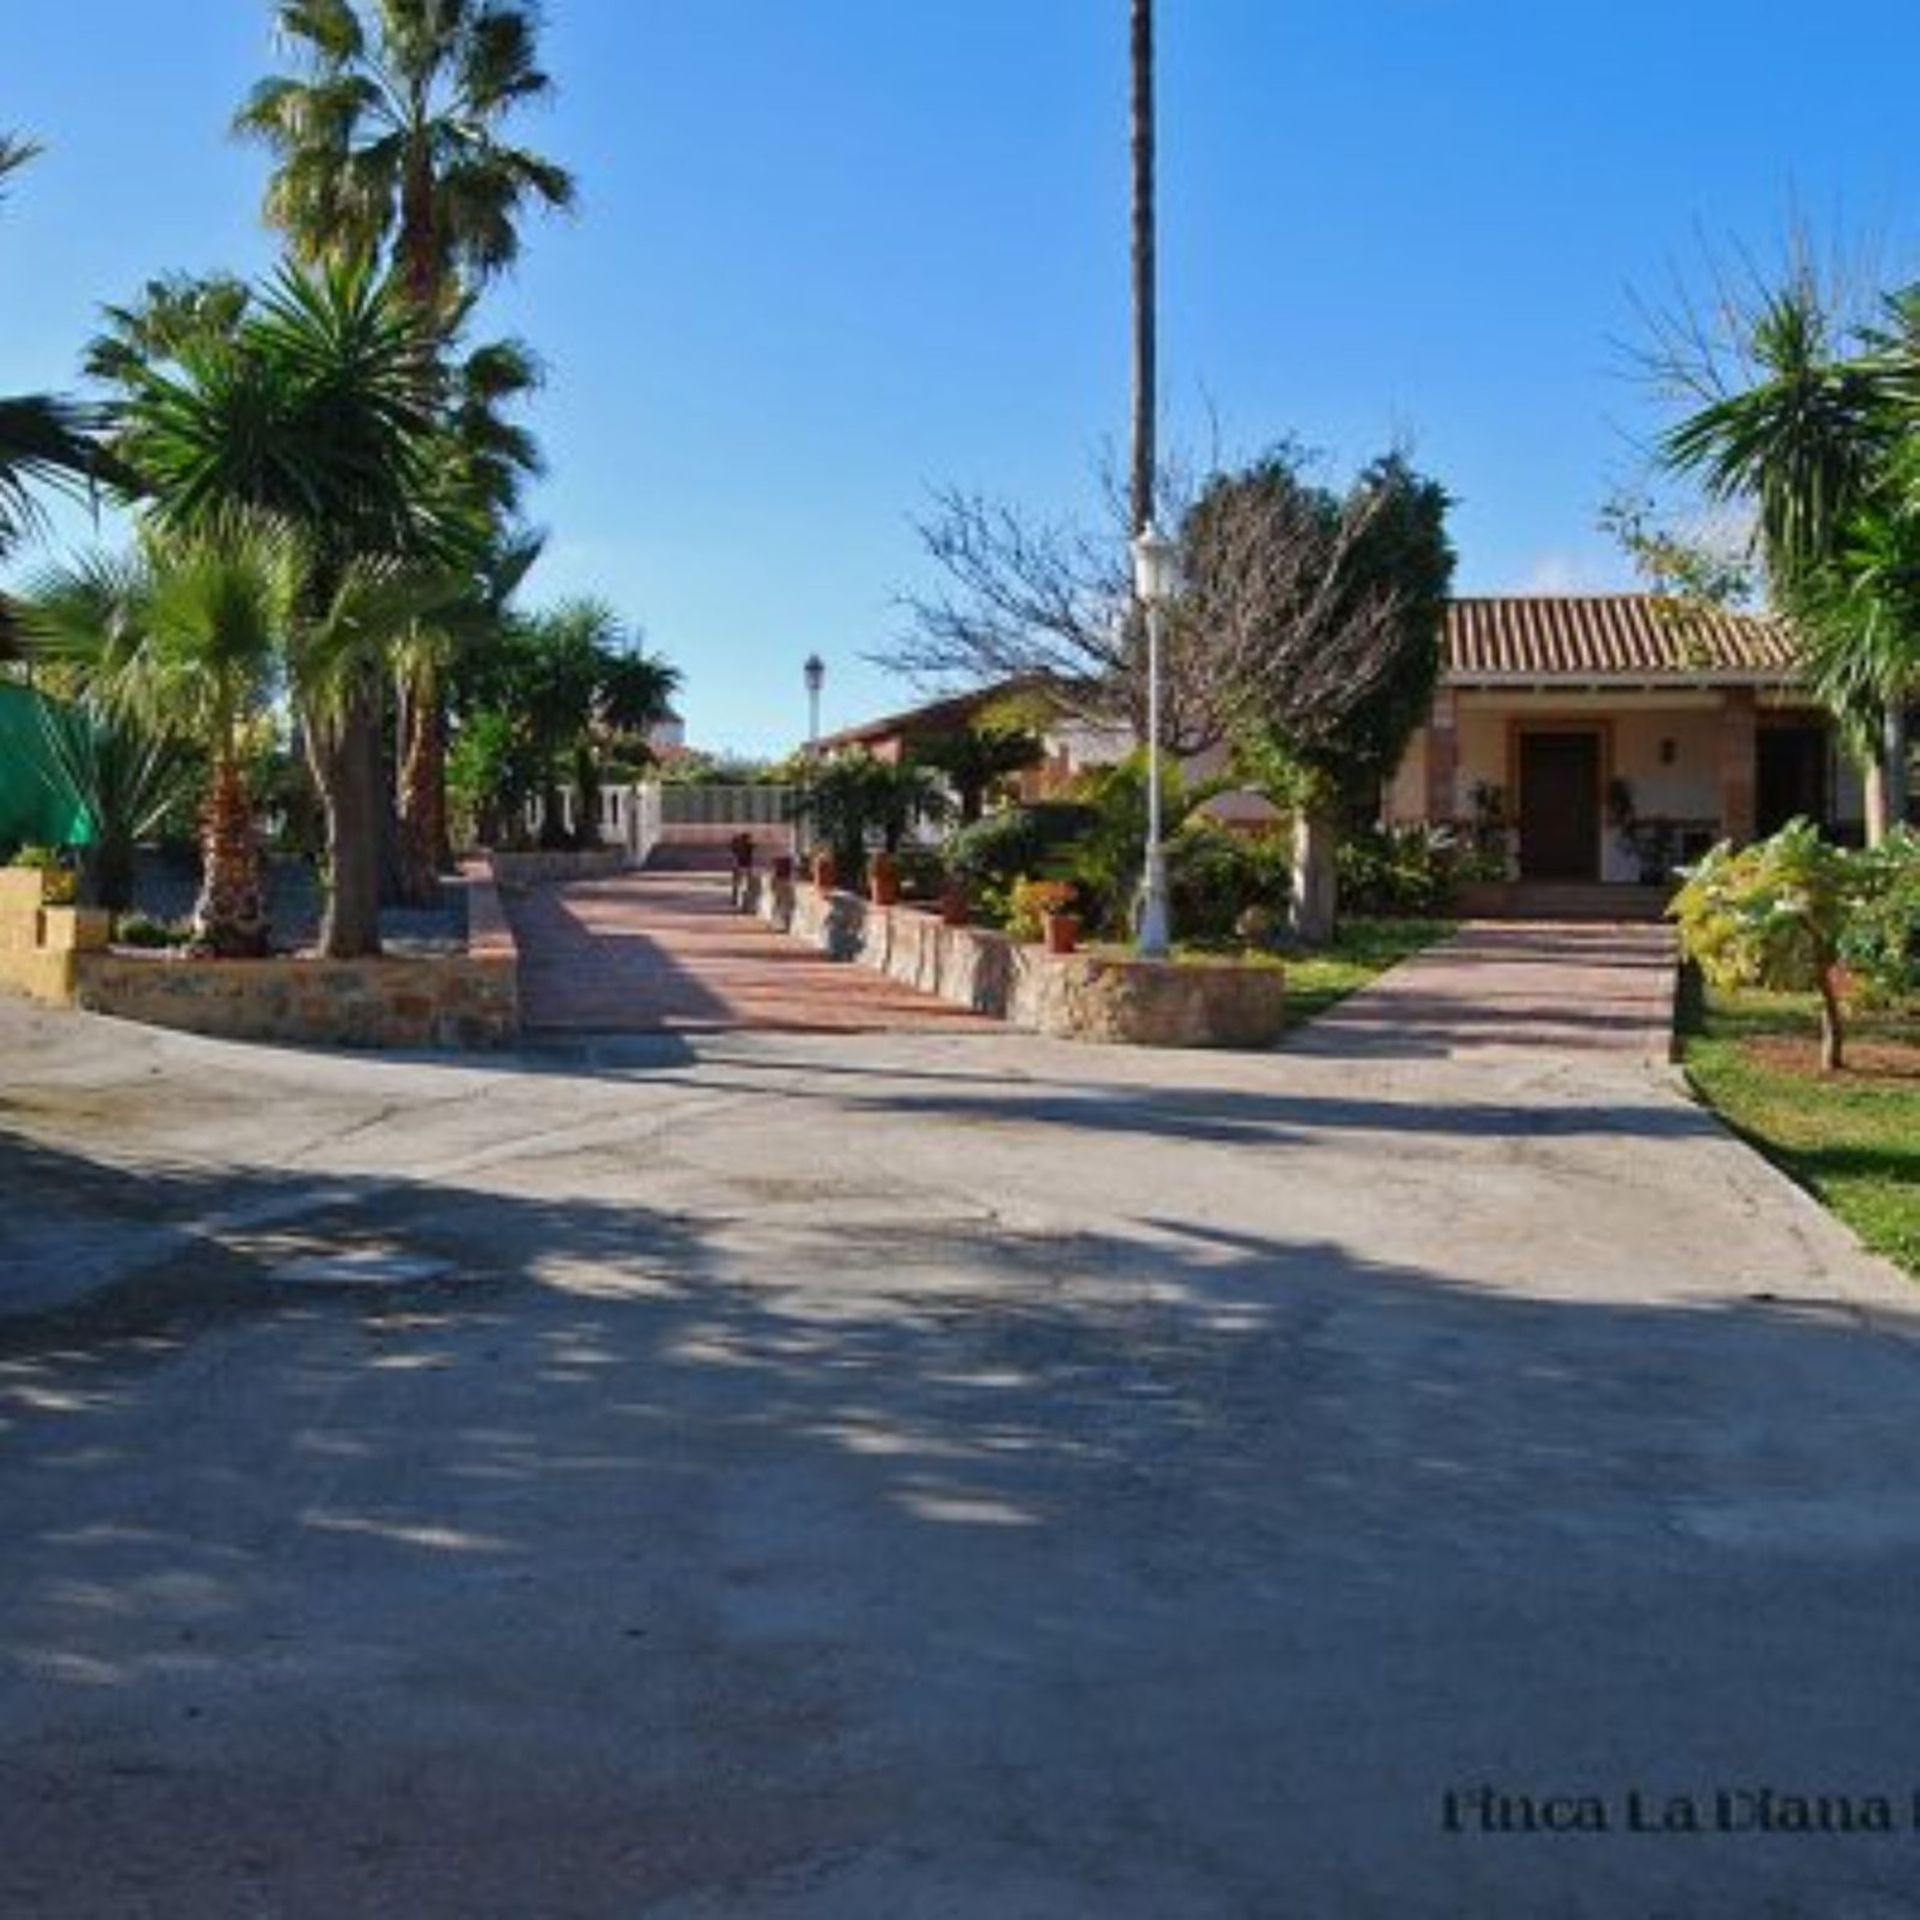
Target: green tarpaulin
32,811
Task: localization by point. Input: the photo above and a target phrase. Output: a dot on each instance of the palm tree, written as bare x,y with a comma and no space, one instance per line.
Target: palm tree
1809,442
314,412
185,639
44,441
391,135
389,143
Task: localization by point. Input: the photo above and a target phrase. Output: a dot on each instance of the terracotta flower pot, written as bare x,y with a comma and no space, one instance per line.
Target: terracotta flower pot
783,866
1063,932
955,911
826,876
883,880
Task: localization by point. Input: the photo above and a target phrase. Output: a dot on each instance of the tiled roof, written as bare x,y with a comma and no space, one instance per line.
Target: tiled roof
1618,636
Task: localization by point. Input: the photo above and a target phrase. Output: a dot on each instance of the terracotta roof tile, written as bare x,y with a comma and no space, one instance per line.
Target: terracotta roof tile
1621,636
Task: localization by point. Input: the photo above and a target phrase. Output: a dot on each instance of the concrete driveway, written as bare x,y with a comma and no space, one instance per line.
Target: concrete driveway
928,1475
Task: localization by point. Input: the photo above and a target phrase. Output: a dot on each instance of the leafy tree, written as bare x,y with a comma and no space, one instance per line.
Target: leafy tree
856,799
977,758
314,413
44,441
390,145
562,692
1774,915
1323,613
1809,423
184,639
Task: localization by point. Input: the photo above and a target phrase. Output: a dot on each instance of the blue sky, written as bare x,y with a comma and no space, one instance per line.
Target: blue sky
832,254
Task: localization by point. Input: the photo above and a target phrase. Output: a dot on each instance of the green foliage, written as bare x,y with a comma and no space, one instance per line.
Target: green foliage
991,853
1109,855
1410,871
1785,913
142,930
558,696
1218,877
1768,915
1881,943
856,802
977,758
60,883
1031,901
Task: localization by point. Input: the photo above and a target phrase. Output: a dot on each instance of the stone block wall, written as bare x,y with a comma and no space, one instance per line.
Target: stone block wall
1079,996
537,868
60,955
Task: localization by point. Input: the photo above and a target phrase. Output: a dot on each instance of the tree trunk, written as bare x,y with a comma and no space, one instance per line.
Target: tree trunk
345,755
423,793
1144,290
1894,754
1832,1034
230,916
1315,895
1874,798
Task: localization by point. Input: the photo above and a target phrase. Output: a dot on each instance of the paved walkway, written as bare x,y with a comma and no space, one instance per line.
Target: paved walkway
664,952
1559,988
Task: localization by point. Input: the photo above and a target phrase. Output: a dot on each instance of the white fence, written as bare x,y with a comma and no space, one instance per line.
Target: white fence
643,817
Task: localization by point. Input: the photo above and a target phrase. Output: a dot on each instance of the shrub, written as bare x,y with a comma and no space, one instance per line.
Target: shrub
1216,876
142,930
1881,941
1408,871
1030,903
992,853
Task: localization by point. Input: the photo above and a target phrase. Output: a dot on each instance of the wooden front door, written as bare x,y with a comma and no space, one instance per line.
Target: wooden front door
1790,776
1560,805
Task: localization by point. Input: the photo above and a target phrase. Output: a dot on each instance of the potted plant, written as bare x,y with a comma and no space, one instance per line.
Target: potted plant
883,880
826,874
783,868
955,909
1044,910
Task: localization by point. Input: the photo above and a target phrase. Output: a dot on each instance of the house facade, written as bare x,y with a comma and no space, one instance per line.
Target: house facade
1610,737
1603,739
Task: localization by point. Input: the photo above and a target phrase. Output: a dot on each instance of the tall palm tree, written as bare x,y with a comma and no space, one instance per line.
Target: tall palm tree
314,412
389,143
391,136
44,441
185,638
1810,443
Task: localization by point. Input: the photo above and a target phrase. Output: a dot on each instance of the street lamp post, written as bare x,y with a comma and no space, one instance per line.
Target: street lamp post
1154,561
815,675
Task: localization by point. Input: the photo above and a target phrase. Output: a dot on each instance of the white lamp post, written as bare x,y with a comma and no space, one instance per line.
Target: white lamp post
1154,583
815,675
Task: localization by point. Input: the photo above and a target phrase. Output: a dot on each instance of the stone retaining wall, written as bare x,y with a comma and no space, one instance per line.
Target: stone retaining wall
58,954
1081,996
437,1001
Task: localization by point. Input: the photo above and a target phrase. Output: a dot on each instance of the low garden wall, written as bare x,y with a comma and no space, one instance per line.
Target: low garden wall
469,1000
1079,996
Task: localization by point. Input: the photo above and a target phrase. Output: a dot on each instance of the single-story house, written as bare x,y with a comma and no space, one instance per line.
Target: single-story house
1614,734
1605,737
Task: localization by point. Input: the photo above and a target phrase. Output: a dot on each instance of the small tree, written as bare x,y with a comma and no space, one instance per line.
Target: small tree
856,799
1322,614
1776,915
976,759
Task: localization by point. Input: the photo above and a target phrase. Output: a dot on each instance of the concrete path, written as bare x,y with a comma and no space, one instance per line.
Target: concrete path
949,1474
664,952
1503,985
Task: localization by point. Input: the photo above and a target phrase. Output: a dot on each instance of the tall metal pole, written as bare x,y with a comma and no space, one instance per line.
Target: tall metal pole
1155,933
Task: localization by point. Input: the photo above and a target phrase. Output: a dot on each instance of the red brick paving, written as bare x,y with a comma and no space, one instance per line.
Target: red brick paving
1589,987
664,952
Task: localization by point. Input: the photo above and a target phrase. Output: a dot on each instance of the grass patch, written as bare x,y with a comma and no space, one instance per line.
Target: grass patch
1363,950
1851,1138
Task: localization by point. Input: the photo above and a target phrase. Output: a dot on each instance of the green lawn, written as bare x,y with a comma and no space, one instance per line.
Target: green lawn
1363,949
1852,1138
